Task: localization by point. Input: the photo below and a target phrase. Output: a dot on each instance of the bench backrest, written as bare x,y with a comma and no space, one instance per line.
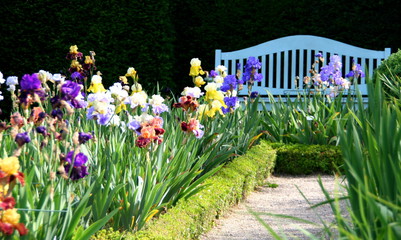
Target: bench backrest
286,58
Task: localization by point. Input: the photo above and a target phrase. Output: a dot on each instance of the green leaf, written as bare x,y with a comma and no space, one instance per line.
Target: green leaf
94,227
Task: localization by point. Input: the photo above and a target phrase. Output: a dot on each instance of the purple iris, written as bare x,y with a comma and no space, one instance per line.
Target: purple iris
258,77
213,73
30,82
319,55
158,109
70,90
357,72
84,137
231,103
254,94
350,74
250,70
253,63
136,126
42,130
79,160
77,76
104,119
31,85
57,113
22,138
332,72
230,82
76,103
326,72
335,62
79,170
238,66
338,80
55,102
42,115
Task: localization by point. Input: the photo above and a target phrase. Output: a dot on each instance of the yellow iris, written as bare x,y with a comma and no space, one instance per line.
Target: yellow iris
10,216
131,73
121,107
74,49
76,64
215,107
195,71
123,79
96,87
9,165
88,60
215,95
198,81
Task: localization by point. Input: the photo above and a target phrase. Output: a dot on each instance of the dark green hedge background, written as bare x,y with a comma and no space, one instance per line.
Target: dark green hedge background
160,37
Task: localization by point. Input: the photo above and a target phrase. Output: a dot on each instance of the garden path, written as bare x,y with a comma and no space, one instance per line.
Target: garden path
239,223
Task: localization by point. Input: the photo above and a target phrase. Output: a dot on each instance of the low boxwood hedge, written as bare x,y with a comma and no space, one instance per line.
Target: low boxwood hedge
192,217
195,215
301,159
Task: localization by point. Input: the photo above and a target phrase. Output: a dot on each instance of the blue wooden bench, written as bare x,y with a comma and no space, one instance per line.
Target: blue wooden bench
285,59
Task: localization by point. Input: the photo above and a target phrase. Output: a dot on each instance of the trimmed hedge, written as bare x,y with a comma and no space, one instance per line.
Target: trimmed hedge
301,159
192,217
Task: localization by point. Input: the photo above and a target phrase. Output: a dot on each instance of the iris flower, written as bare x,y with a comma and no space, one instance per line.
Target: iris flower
193,126
230,83
31,88
196,68
78,170
84,137
9,221
231,103
157,104
193,92
187,103
96,84
331,73
250,71
22,138
9,171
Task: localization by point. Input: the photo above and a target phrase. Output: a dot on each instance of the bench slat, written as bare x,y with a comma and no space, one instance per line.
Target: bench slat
264,81
287,78
271,63
278,70
293,69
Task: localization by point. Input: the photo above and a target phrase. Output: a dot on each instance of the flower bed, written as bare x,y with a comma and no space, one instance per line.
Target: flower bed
92,157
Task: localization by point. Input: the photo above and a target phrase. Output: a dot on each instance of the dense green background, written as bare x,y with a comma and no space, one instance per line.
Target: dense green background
159,37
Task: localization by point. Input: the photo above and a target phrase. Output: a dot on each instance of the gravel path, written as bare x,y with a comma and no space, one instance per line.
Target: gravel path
286,200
